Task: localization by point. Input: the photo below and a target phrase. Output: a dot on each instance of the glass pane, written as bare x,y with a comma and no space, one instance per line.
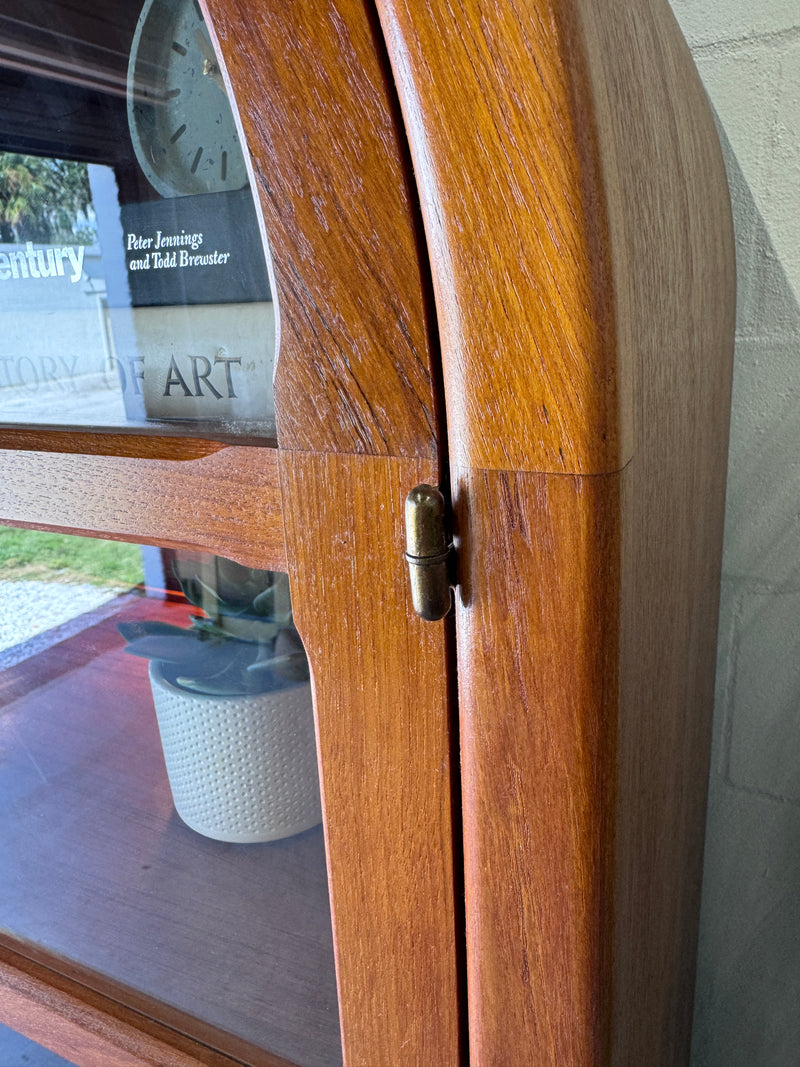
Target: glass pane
161,834
134,290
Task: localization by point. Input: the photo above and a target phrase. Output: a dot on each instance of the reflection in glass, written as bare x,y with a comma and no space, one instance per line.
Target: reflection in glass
134,289
233,701
181,124
100,746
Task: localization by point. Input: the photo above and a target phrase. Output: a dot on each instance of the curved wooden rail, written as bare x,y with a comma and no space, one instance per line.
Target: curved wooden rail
496,106
356,370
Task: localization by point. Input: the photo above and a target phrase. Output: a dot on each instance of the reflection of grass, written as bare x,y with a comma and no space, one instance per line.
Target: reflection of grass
34,555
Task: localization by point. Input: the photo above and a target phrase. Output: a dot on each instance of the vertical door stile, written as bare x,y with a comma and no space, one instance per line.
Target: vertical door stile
358,428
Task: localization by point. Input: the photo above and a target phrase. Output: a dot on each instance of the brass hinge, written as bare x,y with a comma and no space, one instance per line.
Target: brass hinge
428,550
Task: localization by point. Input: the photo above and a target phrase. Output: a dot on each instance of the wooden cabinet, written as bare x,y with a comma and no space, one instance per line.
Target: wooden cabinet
503,264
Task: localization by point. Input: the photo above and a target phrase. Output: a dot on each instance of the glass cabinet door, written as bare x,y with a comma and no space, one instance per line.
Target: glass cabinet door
181,872
144,391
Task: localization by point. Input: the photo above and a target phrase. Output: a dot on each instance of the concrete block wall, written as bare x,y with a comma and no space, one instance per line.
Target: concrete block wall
747,1011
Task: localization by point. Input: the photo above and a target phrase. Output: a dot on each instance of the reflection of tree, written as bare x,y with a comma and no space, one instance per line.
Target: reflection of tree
48,201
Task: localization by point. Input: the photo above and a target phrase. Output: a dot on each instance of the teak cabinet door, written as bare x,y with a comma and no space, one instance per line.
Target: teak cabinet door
357,428
571,270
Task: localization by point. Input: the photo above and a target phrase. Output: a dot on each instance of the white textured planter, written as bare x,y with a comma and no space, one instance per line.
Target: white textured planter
242,768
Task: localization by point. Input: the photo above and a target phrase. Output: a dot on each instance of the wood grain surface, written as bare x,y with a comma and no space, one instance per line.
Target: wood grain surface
381,682
675,286
537,652
85,1035
578,229
108,442
497,110
587,616
354,370
90,1030
227,502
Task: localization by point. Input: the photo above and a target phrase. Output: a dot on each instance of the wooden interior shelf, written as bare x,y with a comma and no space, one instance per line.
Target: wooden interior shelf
102,881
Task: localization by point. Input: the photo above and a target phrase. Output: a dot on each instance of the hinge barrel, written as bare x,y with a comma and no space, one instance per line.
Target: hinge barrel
427,552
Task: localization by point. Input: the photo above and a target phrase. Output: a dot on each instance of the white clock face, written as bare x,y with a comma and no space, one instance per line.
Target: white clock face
181,123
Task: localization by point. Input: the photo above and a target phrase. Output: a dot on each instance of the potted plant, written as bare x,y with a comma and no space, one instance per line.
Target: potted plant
233,702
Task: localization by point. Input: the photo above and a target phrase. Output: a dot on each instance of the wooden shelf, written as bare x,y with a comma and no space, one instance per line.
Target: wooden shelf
102,880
